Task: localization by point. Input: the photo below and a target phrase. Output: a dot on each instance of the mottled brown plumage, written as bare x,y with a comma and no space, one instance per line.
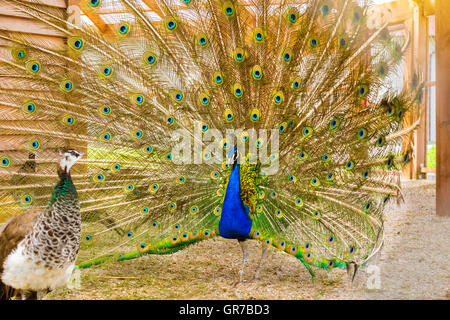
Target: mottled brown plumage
11,234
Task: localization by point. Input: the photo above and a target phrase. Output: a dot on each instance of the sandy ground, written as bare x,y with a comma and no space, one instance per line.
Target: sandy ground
414,264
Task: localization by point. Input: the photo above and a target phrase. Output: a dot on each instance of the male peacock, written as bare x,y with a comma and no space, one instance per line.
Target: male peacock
160,101
38,248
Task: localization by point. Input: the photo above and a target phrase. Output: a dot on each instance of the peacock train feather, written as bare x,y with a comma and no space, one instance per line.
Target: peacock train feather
309,69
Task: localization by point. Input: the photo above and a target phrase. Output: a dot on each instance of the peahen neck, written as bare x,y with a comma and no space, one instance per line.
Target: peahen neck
235,222
65,189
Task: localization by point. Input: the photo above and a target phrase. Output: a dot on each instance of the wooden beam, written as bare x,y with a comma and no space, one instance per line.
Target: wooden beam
443,108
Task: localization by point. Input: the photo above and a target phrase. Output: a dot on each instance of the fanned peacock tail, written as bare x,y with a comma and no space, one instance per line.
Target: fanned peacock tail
309,69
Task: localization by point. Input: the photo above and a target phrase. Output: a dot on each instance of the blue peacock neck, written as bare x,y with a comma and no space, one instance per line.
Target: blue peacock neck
235,221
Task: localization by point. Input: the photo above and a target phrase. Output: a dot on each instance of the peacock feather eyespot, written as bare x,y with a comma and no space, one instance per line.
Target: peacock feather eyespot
181,180
28,107
287,55
367,207
261,194
137,99
267,242
313,42
99,177
176,96
350,165
292,250
302,156
316,214
154,224
194,209
206,156
149,58
228,8
106,136
386,199
215,175
259,208
204,99
186,1
66,86
105,71
330,240
237,90
176,227
170,23
148,149
206,234
365,174
330,265
259,35
307,247
342,43
296,83
273,195
293,179
4,162
172,206
292,16
202,40
218,211
278,214
143,247
351,251
299,203
326,158
104,110
389,163
145,211
170,120
335,124
174,240
255,114
68,120
115,167
129,187
259,143
26,199
217,78
19,54
282,127
362,134
325,9
33,145
330,177
205,127
88,238
138,134
257,72
281,244
363,90
124,29
315,182
94,3
278,98
219,192
307,256
33,67
185,236
307,132
76,43
154,188
228,116
129,234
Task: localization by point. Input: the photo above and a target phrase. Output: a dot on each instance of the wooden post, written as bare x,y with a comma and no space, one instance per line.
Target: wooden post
443,107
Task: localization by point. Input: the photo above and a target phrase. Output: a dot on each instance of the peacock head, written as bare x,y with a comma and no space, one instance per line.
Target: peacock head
69,158
232,156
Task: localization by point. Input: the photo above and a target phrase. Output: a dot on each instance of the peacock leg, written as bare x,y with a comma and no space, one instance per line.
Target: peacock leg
263,255
244,247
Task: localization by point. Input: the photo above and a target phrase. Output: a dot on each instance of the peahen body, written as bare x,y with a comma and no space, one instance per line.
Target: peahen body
266,120
38,248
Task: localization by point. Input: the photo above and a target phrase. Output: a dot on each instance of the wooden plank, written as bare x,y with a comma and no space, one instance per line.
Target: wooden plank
442,108
27,26
50,3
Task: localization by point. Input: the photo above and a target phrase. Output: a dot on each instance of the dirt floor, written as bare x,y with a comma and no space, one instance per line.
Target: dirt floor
413,264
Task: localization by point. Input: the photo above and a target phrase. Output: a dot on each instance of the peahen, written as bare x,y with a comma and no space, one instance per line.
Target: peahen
38,248
256,119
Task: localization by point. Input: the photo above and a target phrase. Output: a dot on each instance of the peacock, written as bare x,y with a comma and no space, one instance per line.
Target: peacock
267,120
38,248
